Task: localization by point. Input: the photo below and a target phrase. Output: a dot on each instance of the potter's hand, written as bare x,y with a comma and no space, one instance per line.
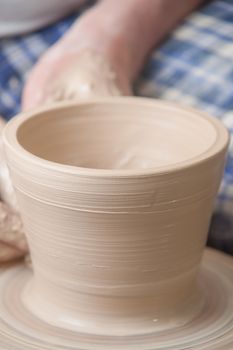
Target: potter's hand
12,240
89,61
74,76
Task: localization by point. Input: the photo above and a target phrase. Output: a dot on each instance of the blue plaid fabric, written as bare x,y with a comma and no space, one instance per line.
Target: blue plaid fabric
193,66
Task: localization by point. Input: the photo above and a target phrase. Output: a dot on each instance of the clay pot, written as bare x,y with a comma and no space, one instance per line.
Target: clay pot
116,197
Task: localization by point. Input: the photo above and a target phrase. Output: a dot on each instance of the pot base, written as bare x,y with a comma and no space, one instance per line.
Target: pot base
211,329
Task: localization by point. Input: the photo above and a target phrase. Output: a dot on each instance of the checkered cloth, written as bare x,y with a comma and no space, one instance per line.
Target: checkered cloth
193,66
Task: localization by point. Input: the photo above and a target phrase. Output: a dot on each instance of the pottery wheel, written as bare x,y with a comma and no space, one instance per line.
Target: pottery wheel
211,329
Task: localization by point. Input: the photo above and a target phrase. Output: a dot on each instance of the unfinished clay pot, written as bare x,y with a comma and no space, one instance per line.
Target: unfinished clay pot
116,197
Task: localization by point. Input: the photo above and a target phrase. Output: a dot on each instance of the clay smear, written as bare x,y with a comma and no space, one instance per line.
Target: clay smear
89,75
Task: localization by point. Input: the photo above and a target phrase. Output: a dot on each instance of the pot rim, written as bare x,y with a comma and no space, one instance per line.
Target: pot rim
219,145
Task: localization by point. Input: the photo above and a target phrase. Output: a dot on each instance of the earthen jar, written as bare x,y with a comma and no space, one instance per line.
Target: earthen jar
116,197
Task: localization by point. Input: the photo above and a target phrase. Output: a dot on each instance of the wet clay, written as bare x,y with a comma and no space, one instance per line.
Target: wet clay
116,197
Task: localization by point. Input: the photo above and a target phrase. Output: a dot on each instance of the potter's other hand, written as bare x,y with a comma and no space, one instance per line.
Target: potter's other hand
7,193
12,239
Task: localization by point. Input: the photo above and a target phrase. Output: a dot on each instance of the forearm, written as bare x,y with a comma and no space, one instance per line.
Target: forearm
144,22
